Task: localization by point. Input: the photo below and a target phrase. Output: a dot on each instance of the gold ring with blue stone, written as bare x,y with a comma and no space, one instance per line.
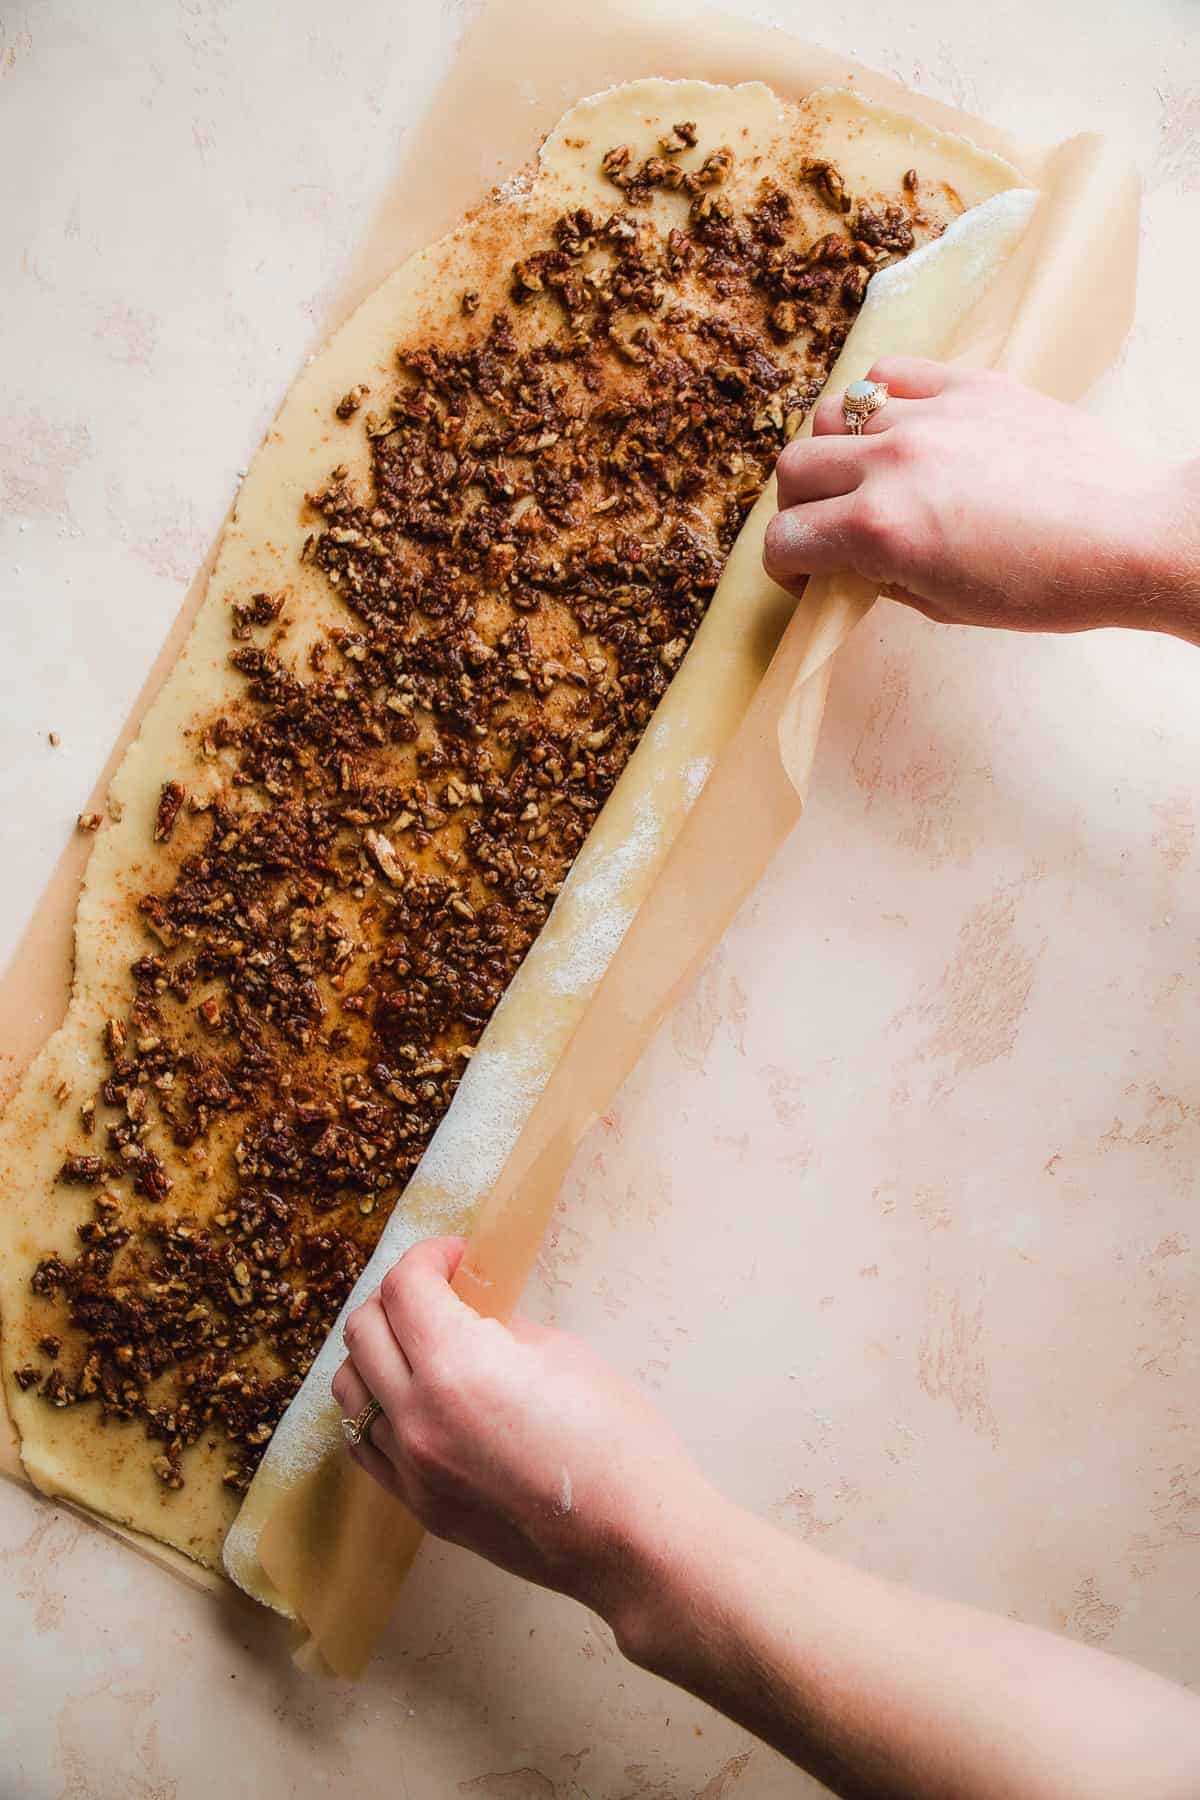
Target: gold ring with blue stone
860,400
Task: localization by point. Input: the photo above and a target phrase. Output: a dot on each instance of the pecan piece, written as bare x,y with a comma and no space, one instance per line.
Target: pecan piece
383,854
170,803
81,1171
615,162
350,402
828,182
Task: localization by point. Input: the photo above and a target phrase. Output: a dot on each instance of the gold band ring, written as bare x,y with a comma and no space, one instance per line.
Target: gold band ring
355,1430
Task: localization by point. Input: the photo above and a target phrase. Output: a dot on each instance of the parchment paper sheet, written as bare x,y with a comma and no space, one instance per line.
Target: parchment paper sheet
333,1549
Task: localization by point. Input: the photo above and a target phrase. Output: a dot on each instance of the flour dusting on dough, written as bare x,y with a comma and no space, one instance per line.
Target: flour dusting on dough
595,910
985,233
517,187
465,1161
695,774
661,729
595,914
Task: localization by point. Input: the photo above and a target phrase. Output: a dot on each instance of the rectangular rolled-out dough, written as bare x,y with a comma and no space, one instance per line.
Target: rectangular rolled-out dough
104,1465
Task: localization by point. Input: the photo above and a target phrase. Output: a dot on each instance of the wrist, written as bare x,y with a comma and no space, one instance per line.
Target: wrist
659,1605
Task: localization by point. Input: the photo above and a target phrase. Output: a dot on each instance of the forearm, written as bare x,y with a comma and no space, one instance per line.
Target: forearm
523,1445
882,1692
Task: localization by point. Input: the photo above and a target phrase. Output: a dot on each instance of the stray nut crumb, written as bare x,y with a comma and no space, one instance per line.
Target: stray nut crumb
349,403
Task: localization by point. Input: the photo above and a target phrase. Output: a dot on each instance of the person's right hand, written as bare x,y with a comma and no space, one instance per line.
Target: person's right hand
981,502
517,1441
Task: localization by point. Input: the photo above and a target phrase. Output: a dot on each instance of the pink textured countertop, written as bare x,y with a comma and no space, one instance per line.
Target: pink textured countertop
896,1218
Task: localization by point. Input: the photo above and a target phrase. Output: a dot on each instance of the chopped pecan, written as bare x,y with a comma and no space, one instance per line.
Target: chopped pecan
828,181
170,803
82,1171
350,402
680,137
383,854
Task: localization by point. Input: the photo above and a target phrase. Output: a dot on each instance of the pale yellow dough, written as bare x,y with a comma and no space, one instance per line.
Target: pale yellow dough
106,1467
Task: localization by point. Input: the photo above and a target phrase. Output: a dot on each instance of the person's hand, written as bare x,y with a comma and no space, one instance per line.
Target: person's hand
523,1446
517,1442
981,502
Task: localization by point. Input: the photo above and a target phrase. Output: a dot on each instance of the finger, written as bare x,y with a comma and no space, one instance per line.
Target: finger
829,420
913,377
808,540
417,1298
345,1386
376,1464
379,1451
820,468
352,1395
377,1358
350,1392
